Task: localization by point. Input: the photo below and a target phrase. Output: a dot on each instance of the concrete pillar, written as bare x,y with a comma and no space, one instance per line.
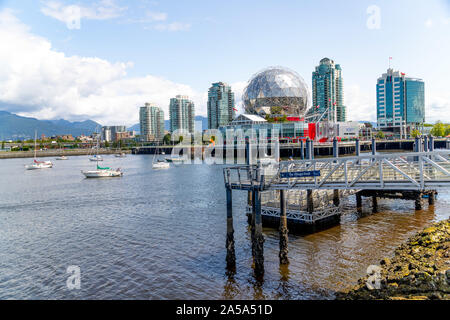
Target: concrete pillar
374,146
283,255
309,201
336,200
231,256
374,204
357,147
252,223
447,144
416,144
311,146
419,201
259,238
431,198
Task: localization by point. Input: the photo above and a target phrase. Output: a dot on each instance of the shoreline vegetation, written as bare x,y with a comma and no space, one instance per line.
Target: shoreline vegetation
419,270
56,153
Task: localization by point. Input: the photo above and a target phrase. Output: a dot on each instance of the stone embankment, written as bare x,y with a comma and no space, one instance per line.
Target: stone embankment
419,269
55,153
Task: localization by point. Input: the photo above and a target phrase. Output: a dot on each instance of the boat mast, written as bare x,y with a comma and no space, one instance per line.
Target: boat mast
35,145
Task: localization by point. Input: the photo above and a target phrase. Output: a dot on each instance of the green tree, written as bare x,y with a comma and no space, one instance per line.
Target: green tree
415,133
438,129
380,135
167,139
3,145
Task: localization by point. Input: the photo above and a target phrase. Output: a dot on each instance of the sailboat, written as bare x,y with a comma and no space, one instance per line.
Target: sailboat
38,164
62,156
96,157
120,154
159,164
100,172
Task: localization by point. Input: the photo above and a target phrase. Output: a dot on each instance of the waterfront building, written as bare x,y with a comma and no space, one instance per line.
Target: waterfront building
182,114
151,121
327,93
220,105
109,133
400,103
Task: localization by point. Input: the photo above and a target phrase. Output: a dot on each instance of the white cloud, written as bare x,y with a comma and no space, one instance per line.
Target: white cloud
361,105
156,16
71,15
429,23
238,89
174,26
48,84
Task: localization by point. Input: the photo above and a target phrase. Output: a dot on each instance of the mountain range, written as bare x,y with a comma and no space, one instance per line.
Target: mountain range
16,127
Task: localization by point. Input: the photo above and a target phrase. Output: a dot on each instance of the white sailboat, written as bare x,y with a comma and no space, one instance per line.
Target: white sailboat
96,157
62,156
120,154
159,164
101,172
38,164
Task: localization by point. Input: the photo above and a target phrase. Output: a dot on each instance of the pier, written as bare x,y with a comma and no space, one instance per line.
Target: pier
307,192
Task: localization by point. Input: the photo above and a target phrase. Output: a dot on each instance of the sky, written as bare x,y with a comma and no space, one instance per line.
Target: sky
103,59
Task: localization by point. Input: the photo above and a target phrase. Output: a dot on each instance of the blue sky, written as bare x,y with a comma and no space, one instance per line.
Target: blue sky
124,53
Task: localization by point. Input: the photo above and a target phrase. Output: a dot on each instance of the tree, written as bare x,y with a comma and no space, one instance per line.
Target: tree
167,138
438,129
3,145
415,133
380,135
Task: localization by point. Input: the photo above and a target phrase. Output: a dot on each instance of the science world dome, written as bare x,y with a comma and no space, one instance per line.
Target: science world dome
276,91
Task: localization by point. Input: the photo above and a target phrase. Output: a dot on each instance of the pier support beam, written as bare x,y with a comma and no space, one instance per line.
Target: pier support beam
336,200
252,223
258,238
309,201
419,201
374,204
231,256
249,203
283,230
431,198
358,201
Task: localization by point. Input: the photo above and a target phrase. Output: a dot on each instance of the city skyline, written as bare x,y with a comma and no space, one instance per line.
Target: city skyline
101,69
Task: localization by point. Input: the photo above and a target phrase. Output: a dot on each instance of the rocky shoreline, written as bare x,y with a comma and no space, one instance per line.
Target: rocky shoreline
419,270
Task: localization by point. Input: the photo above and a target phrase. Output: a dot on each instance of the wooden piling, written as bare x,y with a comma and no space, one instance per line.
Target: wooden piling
374,204
358,201
231,256
309,201
258,238
419,201
336,200
431,198
283,255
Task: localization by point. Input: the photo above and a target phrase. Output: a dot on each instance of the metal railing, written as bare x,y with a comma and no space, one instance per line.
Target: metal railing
394,171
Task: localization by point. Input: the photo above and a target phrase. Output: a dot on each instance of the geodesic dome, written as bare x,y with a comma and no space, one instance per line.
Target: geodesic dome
277,91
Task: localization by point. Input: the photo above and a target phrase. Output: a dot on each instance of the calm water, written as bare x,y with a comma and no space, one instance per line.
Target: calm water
161,235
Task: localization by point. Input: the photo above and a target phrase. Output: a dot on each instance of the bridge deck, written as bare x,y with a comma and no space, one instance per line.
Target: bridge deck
397,171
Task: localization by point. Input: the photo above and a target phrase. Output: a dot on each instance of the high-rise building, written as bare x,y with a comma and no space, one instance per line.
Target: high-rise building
328,93
220,105
400,103
151,121
182,114
109,133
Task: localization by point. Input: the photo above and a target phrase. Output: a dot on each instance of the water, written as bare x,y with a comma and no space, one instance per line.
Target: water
161,235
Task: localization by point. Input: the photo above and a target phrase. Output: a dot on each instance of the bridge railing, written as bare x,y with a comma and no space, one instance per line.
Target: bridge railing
415,171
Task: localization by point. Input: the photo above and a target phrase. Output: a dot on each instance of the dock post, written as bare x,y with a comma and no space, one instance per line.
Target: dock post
252,223
358,201
308,149
374,146
431,143
419,201
231,256
302,151
447,144
425,144
336,200
431,198
311,146
258,238
335,148
283,230
249,204
309,201
357,147
374,204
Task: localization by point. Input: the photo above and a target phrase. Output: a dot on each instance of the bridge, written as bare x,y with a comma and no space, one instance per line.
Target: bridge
408,176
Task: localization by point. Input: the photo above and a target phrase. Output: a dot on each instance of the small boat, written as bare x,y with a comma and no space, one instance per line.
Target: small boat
102,172
38,164
62,158
96,157
120,155
175,160
161,165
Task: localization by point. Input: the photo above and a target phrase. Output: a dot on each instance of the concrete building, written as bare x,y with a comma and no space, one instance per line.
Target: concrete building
328,93
400,103
151,121
220,105
182,114
109,133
